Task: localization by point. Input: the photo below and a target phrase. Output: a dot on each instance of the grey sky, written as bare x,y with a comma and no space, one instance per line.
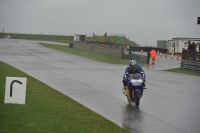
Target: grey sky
144,21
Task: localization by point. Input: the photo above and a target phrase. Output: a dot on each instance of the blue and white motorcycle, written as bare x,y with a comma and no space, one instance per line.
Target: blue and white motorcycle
134,88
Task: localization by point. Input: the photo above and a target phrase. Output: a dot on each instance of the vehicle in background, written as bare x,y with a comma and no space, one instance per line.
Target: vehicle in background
8,36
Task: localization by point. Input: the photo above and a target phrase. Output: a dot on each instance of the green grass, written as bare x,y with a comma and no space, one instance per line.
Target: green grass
89,55
37,36
178,70
47,111
119,40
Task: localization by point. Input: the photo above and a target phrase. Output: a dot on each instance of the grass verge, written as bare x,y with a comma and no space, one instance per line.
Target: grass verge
47,111
178,70
89,55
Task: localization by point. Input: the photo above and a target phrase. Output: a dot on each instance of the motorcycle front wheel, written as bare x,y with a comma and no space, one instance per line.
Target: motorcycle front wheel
137,98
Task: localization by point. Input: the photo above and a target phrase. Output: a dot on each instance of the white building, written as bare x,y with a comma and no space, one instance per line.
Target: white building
177,44
78,37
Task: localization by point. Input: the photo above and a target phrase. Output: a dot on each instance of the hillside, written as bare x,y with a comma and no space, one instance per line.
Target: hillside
119,40
57,38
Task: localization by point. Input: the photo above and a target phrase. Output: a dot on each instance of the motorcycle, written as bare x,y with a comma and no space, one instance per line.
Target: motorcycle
134,88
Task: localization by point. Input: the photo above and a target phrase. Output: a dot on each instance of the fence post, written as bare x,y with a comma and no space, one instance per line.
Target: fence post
188,54
148,55
194,58
192,54
199,53
184,54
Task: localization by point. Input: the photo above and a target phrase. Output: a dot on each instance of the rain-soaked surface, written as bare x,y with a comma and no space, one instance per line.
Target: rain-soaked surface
171,104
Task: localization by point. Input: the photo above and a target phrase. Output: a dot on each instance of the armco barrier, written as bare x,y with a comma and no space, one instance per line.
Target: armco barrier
190,65
146,49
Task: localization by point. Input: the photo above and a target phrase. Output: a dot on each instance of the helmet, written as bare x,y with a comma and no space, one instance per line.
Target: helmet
133,62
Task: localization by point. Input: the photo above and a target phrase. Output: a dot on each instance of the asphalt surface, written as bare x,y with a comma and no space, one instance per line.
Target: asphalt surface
50,42
171,104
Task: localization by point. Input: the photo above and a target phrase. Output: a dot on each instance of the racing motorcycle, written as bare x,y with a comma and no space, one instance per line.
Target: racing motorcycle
134,89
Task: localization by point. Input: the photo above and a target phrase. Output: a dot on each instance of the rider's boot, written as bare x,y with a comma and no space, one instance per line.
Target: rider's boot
124,90
144,88
127,93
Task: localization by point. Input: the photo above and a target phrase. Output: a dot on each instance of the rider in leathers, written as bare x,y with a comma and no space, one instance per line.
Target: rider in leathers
131,69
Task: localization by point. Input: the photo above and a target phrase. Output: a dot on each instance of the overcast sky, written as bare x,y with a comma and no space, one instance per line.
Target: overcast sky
143,21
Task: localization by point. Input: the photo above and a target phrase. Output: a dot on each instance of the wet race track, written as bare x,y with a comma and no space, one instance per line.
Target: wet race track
171,104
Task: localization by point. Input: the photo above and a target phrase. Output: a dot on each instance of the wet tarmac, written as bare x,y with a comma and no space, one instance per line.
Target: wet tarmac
50,42
171,104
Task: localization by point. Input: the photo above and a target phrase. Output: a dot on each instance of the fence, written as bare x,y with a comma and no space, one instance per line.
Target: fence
189,55
190,65
147,49
105,43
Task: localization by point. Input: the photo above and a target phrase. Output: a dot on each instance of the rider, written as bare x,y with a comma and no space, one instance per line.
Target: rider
133,68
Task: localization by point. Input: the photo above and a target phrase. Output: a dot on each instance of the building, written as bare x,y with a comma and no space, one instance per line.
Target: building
162,44
177,44
80,38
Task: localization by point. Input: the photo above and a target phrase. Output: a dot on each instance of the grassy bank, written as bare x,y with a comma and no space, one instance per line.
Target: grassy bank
89,55
36,36
119,40
57,38
47,111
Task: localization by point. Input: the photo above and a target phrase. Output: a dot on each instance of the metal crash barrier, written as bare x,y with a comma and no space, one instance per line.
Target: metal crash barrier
190,65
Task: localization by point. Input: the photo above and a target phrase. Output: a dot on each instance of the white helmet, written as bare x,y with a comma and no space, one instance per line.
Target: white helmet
133,62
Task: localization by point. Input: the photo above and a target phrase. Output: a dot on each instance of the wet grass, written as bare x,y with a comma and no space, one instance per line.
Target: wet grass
89,55
118,40
178,70
36,36
47,111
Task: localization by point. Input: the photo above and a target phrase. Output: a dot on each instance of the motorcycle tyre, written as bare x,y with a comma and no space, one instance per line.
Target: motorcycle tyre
132,96
129,101
137,98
